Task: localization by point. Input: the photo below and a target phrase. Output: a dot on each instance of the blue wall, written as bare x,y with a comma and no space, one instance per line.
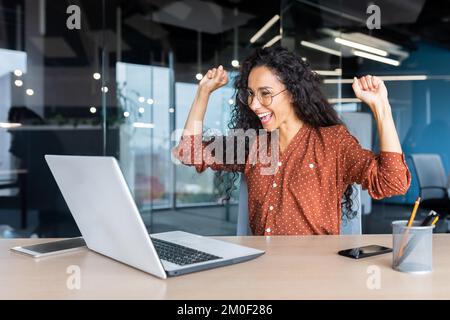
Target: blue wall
420,130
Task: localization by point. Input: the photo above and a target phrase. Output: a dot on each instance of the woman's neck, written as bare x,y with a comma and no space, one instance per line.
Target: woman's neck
288,130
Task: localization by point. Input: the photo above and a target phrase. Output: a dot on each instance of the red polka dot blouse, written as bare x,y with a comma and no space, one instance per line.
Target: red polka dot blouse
303,195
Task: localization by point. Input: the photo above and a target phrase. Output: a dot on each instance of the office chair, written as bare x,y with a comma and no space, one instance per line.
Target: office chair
348,226
432,184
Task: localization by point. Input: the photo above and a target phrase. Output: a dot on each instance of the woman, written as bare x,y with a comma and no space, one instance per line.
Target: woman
319,159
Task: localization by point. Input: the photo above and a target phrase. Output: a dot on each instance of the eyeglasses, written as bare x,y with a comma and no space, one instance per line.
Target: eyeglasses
263,95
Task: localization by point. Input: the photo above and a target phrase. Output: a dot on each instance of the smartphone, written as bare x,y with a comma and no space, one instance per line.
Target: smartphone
363,252
50,248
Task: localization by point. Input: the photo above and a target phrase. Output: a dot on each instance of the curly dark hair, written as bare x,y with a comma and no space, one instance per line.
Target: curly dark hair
309,103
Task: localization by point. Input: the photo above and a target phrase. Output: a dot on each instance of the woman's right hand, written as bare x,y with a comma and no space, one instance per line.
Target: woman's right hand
214,79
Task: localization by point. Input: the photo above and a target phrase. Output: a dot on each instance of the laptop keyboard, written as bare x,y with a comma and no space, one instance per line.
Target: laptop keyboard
179,254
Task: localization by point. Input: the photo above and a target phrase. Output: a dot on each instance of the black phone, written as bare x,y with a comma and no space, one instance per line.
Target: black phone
363,252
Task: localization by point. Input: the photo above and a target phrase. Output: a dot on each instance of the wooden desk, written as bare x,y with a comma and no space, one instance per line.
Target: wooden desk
292,268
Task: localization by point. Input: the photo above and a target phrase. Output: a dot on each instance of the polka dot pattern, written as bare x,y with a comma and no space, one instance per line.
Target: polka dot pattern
303,195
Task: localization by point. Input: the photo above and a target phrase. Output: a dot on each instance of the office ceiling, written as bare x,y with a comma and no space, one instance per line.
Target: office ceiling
158,26
403,22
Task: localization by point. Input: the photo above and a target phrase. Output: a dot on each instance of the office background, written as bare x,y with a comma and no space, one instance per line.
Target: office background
124,81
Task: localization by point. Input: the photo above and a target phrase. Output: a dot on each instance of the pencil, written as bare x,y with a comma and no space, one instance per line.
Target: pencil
410,222
435,220
413,214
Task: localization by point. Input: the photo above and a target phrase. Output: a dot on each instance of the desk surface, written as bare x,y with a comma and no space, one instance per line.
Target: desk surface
292,268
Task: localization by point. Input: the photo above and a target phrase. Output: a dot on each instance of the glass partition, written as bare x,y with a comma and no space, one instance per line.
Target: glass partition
115,78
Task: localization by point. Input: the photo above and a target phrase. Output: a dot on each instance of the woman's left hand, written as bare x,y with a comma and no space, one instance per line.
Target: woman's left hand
371,90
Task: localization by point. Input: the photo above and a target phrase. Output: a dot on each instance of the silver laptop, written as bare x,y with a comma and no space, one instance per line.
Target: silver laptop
110,223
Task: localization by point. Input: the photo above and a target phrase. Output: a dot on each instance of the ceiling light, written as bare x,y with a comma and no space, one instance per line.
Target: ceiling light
264,28
29,92
18,83
320,48
361,46
376,58
343,100
404,78
384,78
335,72
9,125
272,41
143,125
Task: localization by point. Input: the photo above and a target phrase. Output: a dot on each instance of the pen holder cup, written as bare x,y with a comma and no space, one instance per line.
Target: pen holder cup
412,247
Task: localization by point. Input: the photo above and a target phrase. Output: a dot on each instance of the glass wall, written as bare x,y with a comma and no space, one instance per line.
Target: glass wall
117,78
51,103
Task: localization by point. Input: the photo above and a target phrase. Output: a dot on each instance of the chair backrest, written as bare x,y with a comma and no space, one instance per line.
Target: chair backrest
430,175
243,227
360,125
352,226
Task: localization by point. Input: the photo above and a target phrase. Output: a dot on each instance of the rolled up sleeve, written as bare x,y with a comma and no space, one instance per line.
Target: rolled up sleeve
383,175
193,151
